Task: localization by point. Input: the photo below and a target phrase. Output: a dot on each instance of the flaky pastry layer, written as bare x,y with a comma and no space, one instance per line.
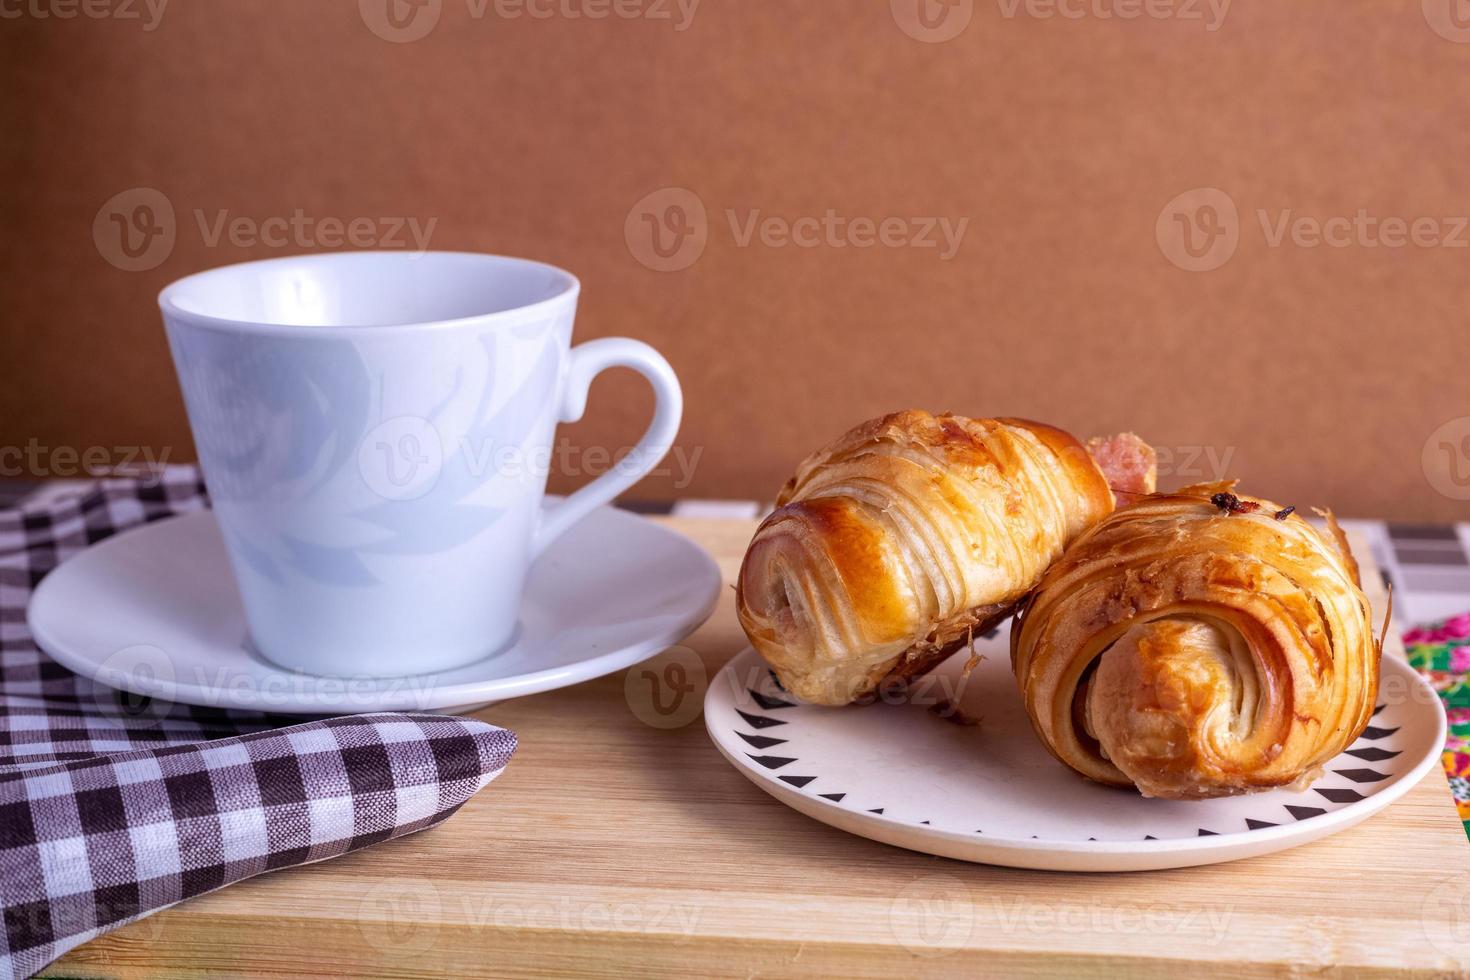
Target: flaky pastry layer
893,546
1199,644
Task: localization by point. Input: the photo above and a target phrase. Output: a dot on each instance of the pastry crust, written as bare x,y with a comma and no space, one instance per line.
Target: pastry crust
1197,645
892,547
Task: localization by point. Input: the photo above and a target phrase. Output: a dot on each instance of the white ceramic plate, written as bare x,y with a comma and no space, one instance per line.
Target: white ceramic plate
904,775
154,611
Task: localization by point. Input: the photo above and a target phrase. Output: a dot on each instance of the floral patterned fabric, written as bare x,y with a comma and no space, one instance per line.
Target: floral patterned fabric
1442,653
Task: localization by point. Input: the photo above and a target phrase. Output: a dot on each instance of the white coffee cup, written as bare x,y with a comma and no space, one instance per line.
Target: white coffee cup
375,430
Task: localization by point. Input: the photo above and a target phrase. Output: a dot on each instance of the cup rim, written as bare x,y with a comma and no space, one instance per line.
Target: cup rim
167,299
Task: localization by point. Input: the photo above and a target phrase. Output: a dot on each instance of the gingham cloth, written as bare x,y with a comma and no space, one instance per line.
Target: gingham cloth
113,807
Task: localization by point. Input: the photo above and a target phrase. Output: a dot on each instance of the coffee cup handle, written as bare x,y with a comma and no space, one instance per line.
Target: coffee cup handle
586,362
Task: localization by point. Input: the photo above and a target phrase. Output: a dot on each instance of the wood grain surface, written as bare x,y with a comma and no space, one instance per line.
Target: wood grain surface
612,847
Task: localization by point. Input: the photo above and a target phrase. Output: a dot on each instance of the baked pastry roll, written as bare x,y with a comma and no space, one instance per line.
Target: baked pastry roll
892,547
1199,644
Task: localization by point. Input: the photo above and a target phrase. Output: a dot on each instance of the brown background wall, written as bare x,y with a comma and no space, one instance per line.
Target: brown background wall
1318,374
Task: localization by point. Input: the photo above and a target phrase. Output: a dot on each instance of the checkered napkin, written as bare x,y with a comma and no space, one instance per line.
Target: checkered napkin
112,807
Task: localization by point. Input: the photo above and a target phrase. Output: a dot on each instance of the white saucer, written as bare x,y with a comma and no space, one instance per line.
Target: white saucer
154,611
990,793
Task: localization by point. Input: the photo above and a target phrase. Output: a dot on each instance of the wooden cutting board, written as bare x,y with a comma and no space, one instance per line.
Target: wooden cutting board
612,847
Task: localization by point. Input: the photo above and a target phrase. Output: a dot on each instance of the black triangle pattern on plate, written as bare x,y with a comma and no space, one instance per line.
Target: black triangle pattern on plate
1363,775
761,741
768,702
1370,753
758,721
1304,812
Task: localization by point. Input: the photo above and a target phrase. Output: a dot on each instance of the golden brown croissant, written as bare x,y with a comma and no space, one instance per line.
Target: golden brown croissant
892,547
1199,644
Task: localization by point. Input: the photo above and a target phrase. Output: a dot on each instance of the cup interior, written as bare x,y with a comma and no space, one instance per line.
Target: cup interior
366,289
